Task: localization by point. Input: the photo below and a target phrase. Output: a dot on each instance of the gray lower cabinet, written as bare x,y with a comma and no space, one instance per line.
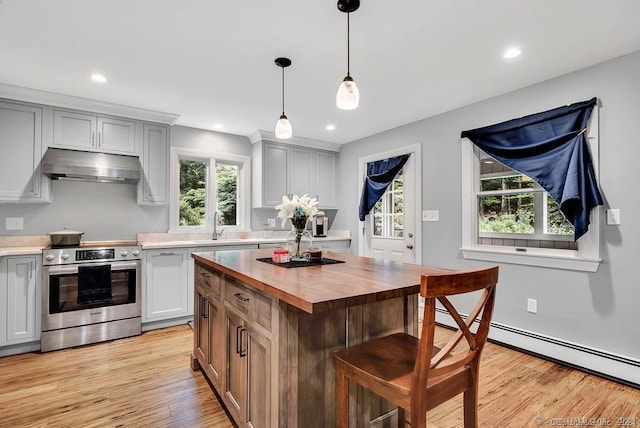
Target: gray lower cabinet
19,300
168,292
21,136
343,246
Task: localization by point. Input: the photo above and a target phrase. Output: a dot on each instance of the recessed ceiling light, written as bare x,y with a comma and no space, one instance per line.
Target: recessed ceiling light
330,127
217,126
99,78
512,52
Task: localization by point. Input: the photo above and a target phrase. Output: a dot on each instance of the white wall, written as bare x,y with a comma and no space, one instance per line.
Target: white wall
594,310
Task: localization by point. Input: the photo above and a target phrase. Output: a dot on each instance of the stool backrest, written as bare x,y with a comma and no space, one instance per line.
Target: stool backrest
439,288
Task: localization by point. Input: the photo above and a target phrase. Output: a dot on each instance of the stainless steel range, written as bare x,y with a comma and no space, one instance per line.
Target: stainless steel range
90,293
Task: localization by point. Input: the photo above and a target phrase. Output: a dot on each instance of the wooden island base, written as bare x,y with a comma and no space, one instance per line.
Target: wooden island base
268,357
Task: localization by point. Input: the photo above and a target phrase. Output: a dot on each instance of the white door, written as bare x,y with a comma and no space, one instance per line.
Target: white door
391,230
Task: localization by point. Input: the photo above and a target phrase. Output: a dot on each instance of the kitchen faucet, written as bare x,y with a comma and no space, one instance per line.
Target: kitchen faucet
215,226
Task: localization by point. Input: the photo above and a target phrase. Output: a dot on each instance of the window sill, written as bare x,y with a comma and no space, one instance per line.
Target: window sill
559,259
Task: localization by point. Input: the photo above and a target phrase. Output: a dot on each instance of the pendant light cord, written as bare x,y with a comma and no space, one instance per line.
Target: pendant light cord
348,46
283,90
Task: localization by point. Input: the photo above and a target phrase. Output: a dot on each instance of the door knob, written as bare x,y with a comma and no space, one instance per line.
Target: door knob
410,246
410,235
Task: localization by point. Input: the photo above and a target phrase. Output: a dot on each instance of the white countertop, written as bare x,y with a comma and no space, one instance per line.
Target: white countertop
23,245
33,245
20,251
168,240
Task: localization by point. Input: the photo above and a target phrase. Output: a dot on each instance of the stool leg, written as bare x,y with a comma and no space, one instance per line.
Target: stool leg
402,418
342,398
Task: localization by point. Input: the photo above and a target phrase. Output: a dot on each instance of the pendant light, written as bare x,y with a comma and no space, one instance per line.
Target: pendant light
348,95
283,126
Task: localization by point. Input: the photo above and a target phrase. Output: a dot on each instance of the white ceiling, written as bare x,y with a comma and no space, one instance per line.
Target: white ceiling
212,61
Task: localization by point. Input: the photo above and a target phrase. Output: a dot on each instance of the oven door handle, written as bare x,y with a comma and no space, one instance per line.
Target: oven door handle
61,270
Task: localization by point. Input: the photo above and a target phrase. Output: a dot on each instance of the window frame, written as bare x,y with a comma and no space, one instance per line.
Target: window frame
586,258
212,159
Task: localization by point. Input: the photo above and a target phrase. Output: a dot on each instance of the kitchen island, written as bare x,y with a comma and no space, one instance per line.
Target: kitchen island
265,334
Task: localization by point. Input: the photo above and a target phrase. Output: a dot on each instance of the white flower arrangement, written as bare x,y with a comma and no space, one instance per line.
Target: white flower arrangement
299,209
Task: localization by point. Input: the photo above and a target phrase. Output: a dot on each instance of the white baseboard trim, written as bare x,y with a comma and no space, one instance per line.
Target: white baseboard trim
20,348
608,364
154,325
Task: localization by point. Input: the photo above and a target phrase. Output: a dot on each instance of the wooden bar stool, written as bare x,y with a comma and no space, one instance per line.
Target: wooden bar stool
411,372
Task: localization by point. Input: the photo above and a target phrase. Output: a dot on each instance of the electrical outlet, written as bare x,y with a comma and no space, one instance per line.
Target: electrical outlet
613,216
532,306
272,222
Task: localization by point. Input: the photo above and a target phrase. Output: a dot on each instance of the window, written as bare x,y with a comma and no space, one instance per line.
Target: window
207,187
388,212
193,186
227,194
513,210
507,217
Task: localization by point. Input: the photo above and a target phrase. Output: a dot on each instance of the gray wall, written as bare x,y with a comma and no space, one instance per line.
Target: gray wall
599,309
109,211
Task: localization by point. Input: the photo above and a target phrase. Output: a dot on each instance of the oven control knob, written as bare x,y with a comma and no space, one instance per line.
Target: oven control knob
64,256
135,252
49,257
123,253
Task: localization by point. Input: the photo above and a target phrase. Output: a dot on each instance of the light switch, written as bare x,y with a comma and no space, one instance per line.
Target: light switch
14,223
613,216
431,215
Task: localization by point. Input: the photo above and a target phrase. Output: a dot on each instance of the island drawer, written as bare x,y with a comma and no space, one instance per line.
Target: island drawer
248,301
208,280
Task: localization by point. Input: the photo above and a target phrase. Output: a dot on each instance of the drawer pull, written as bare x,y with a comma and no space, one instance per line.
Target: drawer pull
241,297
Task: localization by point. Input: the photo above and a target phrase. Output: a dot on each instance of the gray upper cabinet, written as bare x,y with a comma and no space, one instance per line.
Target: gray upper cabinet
300,171
77,130
154,184
326,178
274,181
280,169
21,137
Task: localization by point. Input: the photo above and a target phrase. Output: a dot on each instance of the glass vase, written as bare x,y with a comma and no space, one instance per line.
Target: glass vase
298,243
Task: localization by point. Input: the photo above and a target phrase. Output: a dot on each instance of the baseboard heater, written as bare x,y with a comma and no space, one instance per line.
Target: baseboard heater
590,360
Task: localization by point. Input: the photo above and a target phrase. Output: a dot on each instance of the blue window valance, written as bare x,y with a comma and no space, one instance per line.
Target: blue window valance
551,148
379,175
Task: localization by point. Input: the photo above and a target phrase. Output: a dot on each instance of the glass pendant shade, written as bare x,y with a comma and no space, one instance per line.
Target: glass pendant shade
283,128
348,95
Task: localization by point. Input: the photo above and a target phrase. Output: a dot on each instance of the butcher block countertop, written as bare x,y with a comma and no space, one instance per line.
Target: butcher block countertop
323,288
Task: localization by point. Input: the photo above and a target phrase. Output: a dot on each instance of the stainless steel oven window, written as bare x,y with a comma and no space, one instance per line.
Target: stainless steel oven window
63,288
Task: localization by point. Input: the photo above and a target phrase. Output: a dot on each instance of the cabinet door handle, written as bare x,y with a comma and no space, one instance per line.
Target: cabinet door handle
242,352
241,297
204,308
238,339
99,138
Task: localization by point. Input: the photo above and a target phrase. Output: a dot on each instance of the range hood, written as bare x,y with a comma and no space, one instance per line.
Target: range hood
60,164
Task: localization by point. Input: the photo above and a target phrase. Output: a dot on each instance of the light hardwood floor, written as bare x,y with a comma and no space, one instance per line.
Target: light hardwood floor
146,381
